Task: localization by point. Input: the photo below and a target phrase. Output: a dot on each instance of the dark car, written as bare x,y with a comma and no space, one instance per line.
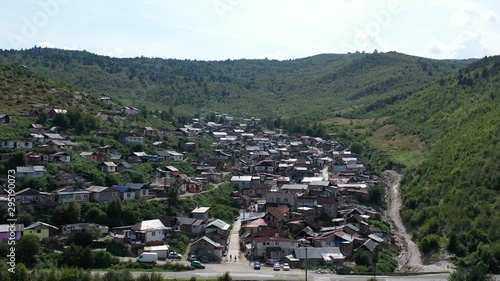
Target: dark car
256,265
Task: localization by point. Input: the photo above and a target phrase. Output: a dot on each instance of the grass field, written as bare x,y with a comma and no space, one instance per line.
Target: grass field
406,150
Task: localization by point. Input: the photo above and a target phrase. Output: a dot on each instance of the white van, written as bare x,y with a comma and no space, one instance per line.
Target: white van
147,257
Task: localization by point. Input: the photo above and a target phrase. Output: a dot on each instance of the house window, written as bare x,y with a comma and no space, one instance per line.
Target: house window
143,192
128,195
39,231
276,243
286,199
153,233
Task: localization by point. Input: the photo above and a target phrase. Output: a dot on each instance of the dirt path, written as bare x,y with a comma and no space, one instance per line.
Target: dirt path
409,259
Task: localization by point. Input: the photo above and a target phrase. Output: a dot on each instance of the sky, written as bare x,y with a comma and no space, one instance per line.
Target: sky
254,29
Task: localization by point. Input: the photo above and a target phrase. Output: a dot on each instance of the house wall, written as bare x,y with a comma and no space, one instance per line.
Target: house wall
142,193
131,139
44,233
201,216
154,235
281,197
128,196
286,247
204,248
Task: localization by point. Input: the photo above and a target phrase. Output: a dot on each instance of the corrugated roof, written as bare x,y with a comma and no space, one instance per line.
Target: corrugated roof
200,210
315,253
219,224
149,225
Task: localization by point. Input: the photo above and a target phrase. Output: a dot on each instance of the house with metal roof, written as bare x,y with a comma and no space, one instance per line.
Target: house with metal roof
146,231
208,248
200,213
316,256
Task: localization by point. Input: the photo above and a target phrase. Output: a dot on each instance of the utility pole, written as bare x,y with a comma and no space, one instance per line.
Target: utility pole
306,263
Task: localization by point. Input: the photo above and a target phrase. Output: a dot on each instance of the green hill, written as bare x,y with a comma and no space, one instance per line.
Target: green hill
315,88
454,193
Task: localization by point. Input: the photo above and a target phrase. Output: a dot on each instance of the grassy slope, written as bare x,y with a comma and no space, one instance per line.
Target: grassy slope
22,90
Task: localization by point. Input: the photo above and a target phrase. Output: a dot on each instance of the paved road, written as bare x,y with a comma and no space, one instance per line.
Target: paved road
293,275
234,246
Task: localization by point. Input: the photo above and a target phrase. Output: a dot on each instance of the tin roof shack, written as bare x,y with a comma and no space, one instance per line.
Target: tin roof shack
317,256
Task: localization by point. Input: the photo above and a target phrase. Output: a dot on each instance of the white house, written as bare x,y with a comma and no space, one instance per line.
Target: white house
242,182
273,247
9,144
31,172
147,231
175,156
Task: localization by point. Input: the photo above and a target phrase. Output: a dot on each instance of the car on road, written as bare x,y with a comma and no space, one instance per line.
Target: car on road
256,265
174,255
197,264
286,267
276,266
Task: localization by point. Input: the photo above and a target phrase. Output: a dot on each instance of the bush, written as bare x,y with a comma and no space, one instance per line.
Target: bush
225,277
176,267
150,277
117,249
429,243
363,258
103,259
114,275
132,265
180,244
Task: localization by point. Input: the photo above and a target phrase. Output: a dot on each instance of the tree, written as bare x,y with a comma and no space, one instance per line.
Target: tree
362,257
62,121
72,256
173,196
73,210
27,248
42,118
114,210
15,160
104,259
96,215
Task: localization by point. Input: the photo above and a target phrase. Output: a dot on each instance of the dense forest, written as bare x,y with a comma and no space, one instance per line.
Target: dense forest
313,88
451,199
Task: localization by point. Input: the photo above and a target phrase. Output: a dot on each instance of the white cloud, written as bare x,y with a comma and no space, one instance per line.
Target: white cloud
46,44
114,52
478,31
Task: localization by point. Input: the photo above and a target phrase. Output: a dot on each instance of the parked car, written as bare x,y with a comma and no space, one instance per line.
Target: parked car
204,259
192,257
174,255
256,265
147,258
277,266
286,267
197,264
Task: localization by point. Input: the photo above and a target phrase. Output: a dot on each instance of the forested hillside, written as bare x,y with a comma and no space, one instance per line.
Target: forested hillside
314,88
454,193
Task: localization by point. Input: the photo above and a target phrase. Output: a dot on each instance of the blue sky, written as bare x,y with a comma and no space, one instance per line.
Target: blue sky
276,29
